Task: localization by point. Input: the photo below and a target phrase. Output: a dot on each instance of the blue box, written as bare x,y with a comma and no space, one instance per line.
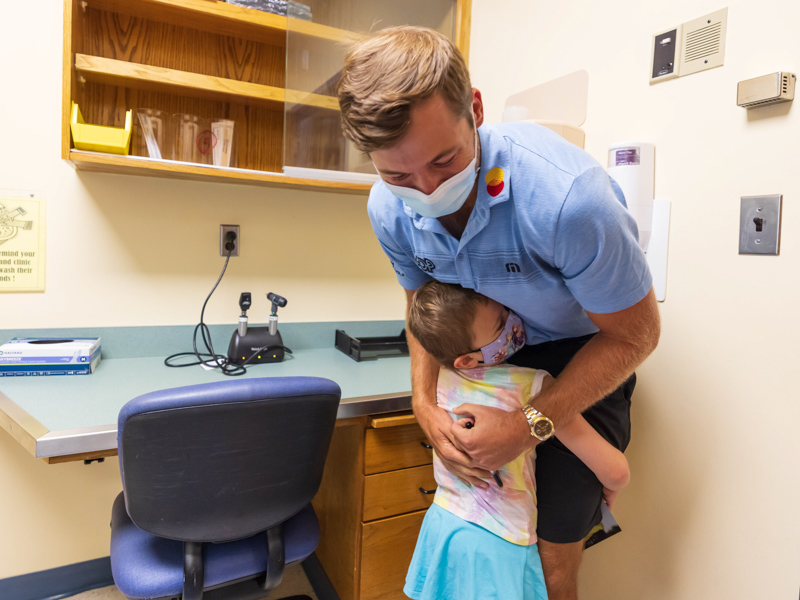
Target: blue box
34,357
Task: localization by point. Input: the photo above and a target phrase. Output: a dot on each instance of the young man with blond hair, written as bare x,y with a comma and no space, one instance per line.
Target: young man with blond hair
525,218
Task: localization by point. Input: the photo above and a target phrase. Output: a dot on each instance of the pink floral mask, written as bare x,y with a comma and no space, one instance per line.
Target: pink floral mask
511,339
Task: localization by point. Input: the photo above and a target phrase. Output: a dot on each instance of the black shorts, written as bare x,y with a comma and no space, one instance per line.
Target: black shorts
568,493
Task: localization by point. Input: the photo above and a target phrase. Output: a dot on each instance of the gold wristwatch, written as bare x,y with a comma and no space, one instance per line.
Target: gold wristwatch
542,428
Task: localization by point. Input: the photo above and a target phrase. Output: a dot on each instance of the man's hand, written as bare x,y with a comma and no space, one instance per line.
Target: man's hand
496,438
436,423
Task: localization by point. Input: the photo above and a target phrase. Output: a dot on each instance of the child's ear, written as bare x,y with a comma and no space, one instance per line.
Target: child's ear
465,361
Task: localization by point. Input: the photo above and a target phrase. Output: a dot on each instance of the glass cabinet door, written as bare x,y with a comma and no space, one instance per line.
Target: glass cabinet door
319,33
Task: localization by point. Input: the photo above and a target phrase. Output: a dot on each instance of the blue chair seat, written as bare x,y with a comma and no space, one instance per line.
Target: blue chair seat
148,566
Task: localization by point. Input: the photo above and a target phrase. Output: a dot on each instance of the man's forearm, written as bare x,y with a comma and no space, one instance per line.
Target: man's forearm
599,368
603,364
424,374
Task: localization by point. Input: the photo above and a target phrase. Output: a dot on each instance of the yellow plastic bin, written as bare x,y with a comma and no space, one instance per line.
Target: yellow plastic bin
99,138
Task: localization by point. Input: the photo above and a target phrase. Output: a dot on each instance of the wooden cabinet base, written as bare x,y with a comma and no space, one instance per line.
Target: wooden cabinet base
387,547
369,522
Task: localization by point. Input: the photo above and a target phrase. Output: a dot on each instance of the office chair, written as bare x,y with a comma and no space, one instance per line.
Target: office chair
217,483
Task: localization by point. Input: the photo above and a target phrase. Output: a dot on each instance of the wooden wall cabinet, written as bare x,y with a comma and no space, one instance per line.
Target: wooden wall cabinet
273,75
370,506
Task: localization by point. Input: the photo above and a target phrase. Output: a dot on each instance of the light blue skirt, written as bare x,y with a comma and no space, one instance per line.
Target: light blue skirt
458,560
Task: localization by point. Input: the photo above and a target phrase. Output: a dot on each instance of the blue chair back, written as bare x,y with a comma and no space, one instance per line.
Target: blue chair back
226,460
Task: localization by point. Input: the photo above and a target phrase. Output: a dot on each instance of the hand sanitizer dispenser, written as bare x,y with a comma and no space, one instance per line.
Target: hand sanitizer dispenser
632,165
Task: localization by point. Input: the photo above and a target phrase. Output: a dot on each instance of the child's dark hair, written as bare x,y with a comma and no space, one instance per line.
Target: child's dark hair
441,316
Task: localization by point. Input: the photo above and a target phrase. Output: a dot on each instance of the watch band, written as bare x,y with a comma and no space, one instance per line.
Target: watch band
542,428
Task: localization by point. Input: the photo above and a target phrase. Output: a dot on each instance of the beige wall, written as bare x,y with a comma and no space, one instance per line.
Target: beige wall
712,510
144,251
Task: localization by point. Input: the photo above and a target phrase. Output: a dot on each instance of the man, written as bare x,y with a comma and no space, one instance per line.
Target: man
522,216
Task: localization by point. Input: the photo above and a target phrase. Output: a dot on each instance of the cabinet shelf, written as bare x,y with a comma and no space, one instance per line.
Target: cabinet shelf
110,71
137,165
223,19
272,75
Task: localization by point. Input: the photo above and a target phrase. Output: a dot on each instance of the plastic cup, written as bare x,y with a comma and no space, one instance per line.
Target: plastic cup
193,139
222,150
149,133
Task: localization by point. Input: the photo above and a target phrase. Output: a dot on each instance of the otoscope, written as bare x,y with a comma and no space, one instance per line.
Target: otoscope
277,301
244,303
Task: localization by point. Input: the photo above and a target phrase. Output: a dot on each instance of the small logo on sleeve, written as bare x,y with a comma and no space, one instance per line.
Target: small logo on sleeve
396,270
425,264
512,268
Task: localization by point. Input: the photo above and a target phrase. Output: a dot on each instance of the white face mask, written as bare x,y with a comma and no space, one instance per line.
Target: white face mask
447,198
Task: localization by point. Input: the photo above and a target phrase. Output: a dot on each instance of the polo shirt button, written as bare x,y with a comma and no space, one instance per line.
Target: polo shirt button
460,257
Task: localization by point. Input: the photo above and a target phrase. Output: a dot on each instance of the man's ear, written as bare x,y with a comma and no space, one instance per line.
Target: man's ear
465,361
477,107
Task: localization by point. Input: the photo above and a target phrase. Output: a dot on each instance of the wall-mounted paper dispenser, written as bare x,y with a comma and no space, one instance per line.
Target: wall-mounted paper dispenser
632,165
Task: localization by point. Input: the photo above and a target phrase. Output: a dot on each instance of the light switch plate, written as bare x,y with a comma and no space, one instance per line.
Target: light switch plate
764,213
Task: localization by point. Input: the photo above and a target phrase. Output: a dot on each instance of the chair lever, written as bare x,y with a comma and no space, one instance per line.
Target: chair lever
193,571
276,558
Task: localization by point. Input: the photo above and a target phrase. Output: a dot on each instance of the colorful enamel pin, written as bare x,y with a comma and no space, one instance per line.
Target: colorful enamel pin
494,181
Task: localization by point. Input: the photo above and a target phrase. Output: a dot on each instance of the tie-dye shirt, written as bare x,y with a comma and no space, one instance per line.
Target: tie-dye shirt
508,511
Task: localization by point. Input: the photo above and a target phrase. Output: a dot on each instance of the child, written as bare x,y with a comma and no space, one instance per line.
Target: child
481,544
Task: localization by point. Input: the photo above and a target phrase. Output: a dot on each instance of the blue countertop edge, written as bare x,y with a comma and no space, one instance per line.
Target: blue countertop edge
158,341
164,340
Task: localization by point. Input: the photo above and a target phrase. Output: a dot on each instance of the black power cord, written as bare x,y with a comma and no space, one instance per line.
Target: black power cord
210,358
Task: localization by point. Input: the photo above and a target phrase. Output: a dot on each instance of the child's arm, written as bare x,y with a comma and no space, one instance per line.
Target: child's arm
606,462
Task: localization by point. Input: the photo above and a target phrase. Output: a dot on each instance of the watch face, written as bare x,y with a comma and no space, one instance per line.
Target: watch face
542,428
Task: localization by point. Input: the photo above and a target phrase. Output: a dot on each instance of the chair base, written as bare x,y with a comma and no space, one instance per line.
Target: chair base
244,590
249,588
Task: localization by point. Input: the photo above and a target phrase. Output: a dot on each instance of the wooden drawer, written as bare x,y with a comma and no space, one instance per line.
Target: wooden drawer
386,550
397,492
395,448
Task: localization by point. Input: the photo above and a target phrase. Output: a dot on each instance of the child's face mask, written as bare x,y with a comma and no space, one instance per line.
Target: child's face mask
511,339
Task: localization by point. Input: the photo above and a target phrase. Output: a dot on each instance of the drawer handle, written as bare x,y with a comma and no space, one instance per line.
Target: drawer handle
426,446
424,491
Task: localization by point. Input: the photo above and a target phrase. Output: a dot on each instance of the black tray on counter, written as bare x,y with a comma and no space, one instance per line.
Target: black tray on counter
371,347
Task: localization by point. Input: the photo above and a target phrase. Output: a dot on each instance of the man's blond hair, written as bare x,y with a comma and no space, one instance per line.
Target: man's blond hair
386,74
441,318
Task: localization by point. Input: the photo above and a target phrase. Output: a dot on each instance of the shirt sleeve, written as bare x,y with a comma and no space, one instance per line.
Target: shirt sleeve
397,247
597,248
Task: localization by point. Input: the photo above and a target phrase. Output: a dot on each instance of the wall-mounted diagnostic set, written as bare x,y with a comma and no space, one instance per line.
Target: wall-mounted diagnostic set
254,345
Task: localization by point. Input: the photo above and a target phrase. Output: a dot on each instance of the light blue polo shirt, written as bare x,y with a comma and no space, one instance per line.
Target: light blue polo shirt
550,236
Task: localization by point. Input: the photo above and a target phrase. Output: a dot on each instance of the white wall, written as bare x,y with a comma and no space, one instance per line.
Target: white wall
125,250
712,511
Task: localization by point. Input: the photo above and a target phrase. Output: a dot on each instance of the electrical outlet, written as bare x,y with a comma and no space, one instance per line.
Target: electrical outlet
223,239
